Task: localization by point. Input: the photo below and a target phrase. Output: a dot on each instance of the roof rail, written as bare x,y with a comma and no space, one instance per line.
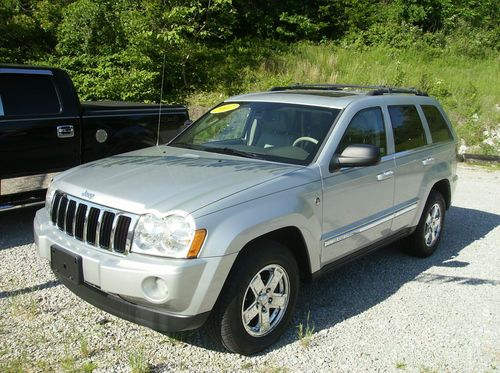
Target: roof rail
373,90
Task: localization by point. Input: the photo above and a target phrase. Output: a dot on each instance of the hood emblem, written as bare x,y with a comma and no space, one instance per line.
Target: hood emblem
88,195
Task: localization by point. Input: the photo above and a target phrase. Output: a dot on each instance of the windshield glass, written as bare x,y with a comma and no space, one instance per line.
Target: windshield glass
271,131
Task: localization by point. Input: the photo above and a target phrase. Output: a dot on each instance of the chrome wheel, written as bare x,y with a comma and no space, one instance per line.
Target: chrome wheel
265,300
432,225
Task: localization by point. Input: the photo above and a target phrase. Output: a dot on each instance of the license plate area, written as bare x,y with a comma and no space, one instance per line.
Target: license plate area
66,264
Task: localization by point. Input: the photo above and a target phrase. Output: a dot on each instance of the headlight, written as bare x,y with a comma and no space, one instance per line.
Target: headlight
49,196
172,236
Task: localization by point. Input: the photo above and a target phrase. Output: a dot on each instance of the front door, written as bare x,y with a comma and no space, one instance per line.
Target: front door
358,202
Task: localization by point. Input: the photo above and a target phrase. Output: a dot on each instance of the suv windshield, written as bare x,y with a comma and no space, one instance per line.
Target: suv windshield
271,131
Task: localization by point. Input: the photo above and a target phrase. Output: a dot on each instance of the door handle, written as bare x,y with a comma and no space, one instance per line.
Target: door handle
385,175
65,131
428,161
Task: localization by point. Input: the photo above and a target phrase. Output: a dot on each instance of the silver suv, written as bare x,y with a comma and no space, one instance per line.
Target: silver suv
266,190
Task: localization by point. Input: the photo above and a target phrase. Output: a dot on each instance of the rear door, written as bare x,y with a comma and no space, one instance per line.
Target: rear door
413,160
38,134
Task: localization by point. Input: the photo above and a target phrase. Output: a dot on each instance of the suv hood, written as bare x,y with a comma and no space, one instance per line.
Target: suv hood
164,178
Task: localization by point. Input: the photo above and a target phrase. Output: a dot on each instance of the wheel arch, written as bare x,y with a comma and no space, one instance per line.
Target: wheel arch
290,237
444,188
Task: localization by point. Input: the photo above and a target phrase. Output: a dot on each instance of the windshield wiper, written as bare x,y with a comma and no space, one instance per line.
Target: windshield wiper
186,145
231,151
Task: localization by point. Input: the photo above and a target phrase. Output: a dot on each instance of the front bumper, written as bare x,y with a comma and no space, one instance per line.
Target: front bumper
157,320
115,282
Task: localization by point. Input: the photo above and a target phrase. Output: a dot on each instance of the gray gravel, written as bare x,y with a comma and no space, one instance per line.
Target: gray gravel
385,312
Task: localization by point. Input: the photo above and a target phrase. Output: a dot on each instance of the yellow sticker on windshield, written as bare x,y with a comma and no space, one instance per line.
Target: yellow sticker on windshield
224,108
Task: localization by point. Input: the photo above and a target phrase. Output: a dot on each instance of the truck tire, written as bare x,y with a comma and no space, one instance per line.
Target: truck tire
258,299
425,240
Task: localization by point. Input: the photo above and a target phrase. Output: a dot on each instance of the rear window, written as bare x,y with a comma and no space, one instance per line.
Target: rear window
24,95
407,127
440,132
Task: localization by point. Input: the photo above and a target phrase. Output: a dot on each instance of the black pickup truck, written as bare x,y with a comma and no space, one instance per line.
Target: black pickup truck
45,129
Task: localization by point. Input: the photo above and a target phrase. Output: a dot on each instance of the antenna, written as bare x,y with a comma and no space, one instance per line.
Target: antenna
161,98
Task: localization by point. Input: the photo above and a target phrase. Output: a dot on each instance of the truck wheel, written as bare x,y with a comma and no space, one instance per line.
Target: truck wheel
258,299
424,241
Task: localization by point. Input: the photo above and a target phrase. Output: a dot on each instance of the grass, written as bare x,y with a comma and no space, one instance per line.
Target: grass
246,366
138,362
305,332
85,350
400,365
467,87
16,365
24,305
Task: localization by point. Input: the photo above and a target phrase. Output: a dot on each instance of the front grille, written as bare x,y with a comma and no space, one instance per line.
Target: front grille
93,224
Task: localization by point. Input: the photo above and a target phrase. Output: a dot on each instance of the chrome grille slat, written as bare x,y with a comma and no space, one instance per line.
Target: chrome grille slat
113,229
98,228
85,221
95,225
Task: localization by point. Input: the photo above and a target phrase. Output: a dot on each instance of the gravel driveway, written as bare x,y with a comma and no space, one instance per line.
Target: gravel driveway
385,312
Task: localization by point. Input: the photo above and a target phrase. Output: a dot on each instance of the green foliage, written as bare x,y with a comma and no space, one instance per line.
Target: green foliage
116,49
305,331
138,362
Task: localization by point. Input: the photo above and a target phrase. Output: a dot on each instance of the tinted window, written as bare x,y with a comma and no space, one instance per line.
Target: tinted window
366,127
1,107
407,127
28,95
437,125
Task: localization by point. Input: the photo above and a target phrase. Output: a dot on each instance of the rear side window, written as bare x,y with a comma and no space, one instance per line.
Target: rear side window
440,132
407,127
28,95
1,107
366,127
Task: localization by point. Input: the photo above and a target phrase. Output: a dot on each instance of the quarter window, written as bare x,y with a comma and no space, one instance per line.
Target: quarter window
366,127
28,95
440,132
407,127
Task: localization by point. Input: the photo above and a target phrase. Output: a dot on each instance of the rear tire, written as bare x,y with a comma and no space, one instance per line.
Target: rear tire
425,240
258,299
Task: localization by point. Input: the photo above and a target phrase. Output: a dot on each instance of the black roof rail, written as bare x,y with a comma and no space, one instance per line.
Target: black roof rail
374,90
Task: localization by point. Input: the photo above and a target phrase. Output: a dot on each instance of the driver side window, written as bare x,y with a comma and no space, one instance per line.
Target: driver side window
366,127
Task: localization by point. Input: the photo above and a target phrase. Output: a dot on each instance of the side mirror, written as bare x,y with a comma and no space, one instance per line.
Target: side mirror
356,155
188,122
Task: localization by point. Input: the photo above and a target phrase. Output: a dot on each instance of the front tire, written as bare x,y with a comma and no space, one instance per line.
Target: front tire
258,299
425,240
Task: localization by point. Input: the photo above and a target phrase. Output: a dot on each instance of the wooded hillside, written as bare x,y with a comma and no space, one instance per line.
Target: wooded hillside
114,49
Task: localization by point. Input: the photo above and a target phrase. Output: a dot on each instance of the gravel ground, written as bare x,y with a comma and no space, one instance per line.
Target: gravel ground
385,312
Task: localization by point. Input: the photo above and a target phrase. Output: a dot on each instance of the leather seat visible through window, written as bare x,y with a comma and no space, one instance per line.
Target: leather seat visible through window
274,130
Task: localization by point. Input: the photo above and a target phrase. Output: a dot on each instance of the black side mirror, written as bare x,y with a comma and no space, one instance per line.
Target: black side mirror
356,155
188,122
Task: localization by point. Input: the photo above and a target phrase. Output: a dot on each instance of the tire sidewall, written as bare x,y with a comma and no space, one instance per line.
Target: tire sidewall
247,267
422,246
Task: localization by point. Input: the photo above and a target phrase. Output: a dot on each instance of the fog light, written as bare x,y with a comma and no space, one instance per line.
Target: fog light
155,289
